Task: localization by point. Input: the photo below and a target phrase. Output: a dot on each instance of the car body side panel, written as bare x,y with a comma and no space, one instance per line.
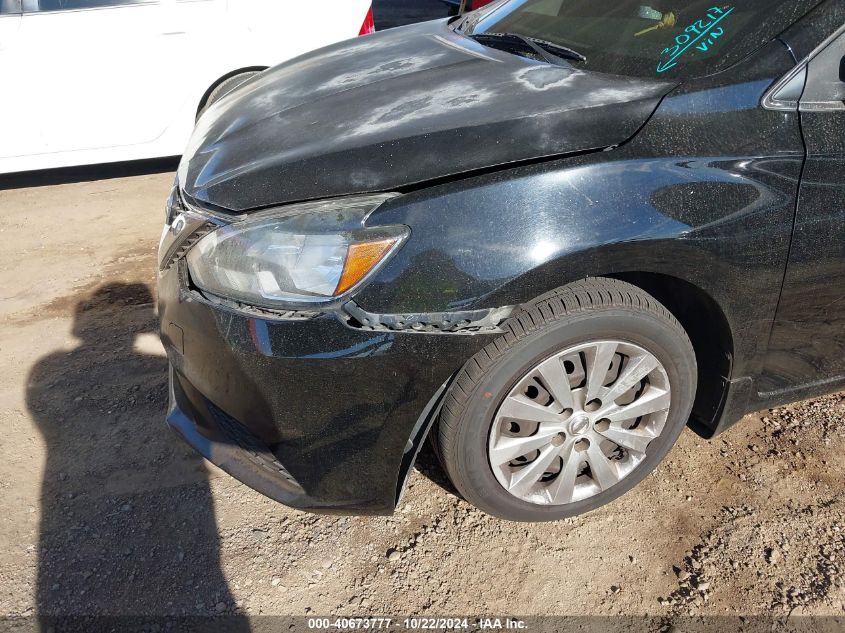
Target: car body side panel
706,193
808,343
807,349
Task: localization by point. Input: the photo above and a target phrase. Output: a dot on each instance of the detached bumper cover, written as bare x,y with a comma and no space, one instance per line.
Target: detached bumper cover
227,444
311,412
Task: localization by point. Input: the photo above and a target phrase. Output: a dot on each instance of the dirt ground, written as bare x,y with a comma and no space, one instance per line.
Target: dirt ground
104,511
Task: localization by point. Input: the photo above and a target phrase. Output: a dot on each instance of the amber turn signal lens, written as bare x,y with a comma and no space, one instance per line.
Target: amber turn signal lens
360,260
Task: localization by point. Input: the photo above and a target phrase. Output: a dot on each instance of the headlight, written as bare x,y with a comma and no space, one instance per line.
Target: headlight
302,254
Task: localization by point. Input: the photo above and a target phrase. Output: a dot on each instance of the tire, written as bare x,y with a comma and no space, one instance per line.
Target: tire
589,317
225,87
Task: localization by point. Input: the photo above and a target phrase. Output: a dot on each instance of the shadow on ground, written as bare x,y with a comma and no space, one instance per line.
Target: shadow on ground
128,524
429,466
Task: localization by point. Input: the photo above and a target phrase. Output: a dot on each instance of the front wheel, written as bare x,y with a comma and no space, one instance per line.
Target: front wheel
579,400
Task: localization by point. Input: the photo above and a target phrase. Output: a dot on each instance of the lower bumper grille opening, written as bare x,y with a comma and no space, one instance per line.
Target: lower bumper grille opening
257,451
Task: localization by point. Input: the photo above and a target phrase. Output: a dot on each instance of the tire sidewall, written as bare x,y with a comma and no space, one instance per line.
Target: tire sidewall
671,348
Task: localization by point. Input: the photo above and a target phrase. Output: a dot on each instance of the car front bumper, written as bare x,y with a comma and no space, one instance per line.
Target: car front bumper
310,411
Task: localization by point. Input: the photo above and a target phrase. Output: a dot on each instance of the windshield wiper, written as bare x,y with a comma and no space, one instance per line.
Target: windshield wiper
548,51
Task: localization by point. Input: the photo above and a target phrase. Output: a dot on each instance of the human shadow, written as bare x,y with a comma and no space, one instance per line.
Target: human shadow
127,518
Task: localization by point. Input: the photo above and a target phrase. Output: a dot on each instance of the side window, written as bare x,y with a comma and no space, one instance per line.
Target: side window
36,6
825,89
8,7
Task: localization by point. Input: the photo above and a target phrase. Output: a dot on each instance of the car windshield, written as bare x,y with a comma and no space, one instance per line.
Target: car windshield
657,38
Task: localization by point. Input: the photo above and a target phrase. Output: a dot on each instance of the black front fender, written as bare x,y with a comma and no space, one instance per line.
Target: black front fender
721,225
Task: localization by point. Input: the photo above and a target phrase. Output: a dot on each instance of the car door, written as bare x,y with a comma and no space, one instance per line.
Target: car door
10,22
807,347
92,75
193,26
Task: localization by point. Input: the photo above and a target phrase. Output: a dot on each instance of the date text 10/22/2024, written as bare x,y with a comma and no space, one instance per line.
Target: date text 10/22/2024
388,625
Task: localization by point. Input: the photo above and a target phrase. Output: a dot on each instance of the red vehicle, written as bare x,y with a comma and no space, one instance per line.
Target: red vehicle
455,5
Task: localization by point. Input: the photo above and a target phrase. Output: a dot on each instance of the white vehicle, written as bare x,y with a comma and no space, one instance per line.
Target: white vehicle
96,81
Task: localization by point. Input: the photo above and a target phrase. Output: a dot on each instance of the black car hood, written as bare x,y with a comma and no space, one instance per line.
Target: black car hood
397,108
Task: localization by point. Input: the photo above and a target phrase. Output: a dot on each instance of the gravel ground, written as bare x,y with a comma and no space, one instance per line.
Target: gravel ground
106,512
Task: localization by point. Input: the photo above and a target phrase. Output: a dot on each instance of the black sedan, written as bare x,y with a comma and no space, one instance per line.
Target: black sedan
546,235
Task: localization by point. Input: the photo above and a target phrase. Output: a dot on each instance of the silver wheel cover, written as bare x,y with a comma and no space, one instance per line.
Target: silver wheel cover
579,422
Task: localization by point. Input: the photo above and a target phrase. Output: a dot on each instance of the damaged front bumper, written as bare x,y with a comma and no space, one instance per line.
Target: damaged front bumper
318,411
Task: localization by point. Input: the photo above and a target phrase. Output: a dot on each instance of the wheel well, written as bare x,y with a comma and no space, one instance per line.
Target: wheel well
705,324
229,75
709,332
